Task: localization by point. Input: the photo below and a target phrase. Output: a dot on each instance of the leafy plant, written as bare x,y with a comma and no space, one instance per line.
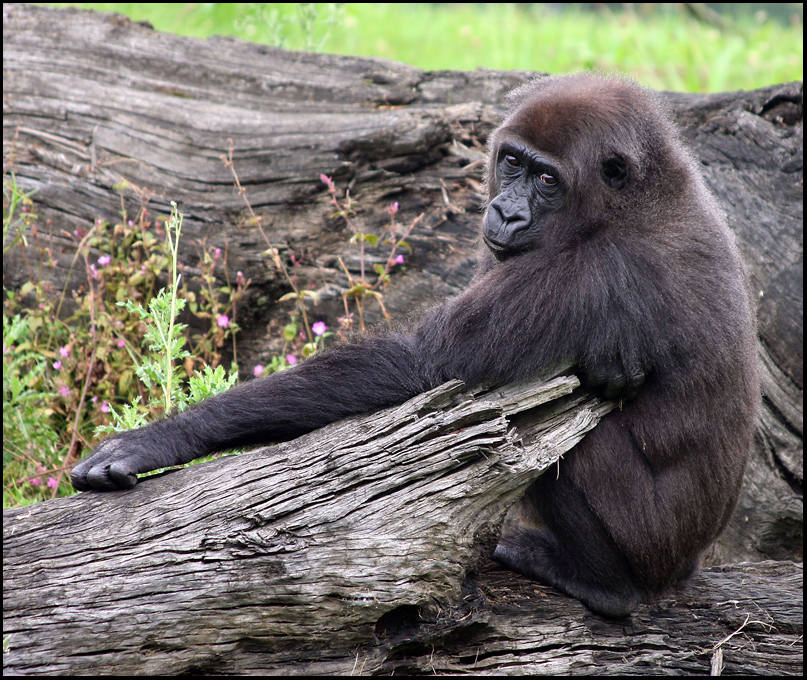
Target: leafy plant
361,288
121,357
159,368
63,373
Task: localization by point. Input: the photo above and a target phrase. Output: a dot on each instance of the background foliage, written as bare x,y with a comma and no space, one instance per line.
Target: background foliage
673,46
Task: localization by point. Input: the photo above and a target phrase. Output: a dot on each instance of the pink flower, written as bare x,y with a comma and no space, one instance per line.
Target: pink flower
257,371
121,343
399,259
57,365
291,359
223,321
34,481
319,328
52,483
64,390
64,351
328,181
104,260
105,407
393,208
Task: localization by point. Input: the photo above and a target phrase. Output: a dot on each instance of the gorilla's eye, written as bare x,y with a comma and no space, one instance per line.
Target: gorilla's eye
548,179
615,172
510,159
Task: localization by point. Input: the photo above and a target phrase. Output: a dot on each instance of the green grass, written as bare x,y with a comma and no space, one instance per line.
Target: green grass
666,49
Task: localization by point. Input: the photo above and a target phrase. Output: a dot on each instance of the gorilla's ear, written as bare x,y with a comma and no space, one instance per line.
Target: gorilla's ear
615,172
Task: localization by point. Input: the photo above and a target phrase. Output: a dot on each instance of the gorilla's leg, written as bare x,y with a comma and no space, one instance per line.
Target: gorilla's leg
587,565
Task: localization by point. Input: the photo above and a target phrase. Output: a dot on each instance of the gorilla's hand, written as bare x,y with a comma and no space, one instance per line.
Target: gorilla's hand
115,463
613,378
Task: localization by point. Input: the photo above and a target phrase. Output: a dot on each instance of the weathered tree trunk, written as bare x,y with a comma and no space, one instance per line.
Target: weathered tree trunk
357,549
316,542
91,99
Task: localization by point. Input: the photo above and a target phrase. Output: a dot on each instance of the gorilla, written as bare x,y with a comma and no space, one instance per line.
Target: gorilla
604,248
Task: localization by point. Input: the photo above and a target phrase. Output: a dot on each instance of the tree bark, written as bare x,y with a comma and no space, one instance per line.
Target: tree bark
91,99
358,548
311,542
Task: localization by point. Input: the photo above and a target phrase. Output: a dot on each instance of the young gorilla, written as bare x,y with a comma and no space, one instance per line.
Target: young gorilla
606,248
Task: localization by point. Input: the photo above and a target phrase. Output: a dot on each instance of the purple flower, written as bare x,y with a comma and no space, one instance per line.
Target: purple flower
319,328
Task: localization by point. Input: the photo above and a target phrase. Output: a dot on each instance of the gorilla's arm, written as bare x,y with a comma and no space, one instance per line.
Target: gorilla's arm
353,379
498,330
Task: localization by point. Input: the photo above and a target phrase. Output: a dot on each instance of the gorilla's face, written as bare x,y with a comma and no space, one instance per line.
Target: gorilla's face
530,191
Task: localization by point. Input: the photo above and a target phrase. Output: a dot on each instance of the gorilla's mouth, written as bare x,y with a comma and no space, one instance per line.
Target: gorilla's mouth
494,247
499,251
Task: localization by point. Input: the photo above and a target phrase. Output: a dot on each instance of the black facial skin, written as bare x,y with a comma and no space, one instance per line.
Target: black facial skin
529,189
604,247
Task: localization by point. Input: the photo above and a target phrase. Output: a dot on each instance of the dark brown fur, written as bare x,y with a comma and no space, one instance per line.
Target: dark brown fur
624,264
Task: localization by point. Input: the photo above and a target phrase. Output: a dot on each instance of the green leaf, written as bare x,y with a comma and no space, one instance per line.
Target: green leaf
290,332
356,290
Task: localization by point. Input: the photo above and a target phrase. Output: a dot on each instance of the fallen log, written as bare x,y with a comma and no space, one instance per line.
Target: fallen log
361,547
311,542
